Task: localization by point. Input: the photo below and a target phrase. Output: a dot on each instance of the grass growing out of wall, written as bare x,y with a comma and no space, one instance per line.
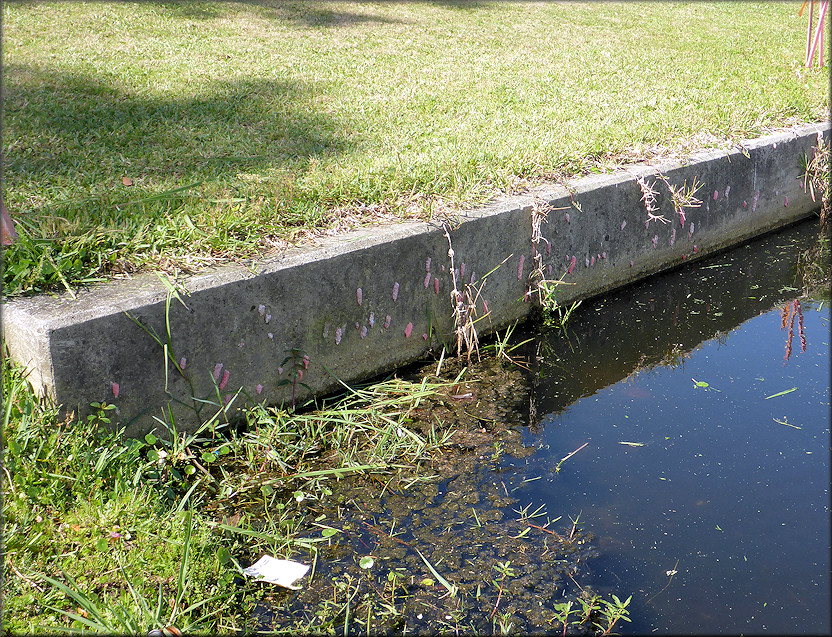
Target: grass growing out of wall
174,136
815,265
125,536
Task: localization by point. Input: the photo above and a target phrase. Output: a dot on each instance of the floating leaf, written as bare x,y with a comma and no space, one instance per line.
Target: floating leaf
327,532
786,422
632,444
366,562
782,393
700,383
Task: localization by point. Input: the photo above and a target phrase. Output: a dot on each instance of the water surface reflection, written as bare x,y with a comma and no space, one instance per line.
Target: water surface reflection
724,481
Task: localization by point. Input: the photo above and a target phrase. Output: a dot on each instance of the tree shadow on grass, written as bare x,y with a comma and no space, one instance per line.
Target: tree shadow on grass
100,178
321,14
313,14
76,133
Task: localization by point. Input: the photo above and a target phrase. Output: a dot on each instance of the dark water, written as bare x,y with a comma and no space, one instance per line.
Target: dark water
734,501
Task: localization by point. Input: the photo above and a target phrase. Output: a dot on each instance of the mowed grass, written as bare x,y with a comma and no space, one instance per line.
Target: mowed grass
178,135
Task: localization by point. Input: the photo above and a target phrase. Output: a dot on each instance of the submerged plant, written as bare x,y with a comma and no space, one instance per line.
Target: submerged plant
567,456
505,571
613,611
557,316
502,349
562,611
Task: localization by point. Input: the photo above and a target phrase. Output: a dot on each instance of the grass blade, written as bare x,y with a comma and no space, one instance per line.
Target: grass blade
450,587
782,393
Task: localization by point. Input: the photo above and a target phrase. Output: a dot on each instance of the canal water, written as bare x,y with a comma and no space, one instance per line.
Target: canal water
671,444
702,396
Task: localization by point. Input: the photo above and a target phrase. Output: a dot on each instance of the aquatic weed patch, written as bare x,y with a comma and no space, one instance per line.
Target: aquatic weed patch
445,546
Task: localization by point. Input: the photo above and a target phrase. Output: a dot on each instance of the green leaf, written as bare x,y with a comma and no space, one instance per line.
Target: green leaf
366,562
150,439
782,393
449,587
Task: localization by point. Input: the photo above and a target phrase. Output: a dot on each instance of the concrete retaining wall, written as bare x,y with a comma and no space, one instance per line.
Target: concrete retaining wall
372,300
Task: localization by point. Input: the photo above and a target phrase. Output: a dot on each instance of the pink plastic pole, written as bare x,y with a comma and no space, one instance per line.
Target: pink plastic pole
6,225
824,5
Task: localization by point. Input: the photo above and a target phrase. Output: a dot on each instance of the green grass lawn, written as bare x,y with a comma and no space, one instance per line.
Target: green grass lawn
176,135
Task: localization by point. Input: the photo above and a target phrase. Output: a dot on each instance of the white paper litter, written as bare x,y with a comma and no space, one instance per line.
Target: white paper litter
281,572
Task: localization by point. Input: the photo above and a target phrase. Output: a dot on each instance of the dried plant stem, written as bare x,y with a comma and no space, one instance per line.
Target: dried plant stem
465,309
538,283
648,196
672,574
816,176
682,197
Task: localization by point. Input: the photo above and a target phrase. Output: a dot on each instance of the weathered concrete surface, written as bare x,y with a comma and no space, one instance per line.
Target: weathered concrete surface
367,302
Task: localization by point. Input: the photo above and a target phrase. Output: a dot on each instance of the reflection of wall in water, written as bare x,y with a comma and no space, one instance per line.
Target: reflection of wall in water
661,319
